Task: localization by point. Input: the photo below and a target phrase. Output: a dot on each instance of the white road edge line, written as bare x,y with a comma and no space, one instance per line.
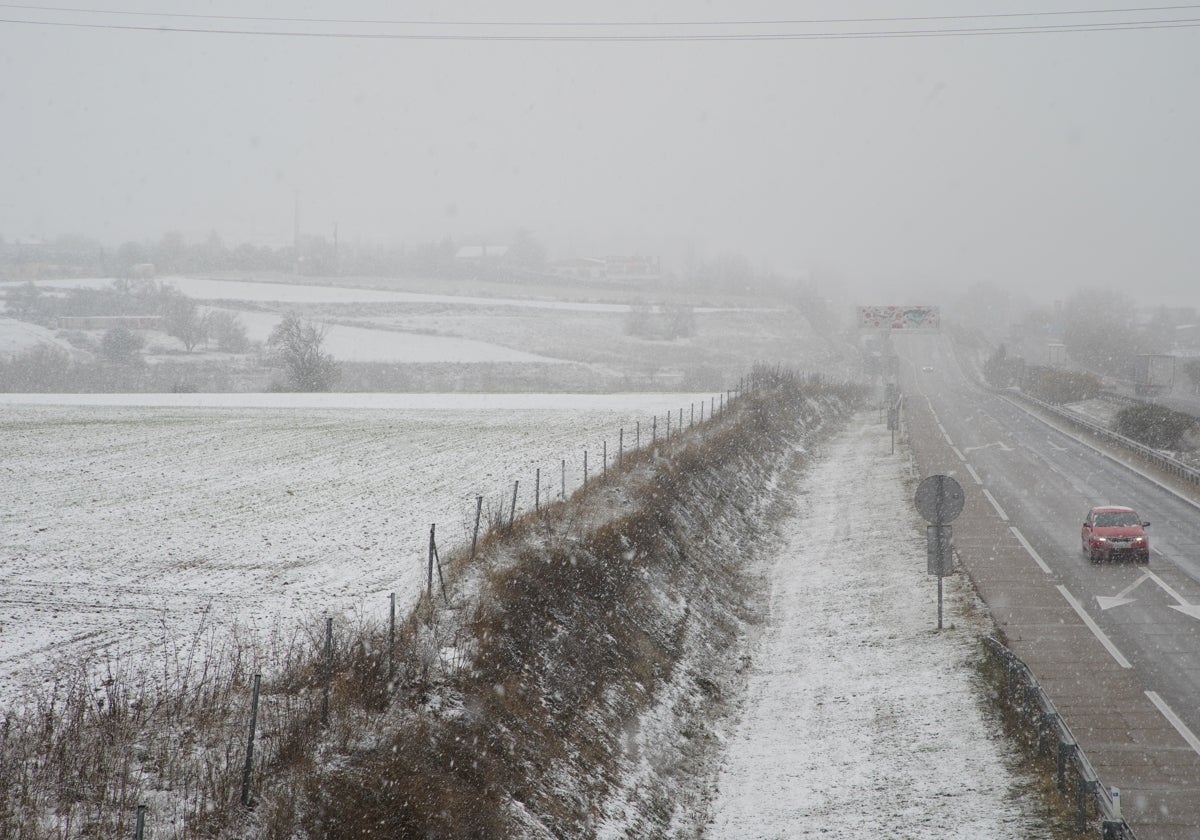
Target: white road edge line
1091,625
1025,544
961,457
1174,720
999,510
974,474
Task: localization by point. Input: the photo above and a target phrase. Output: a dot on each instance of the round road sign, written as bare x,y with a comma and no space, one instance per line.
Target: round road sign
939,499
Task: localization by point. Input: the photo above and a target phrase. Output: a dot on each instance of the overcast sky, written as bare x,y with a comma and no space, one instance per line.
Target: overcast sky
892,165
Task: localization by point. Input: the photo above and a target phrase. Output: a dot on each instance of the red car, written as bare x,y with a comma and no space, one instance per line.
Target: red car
1113,532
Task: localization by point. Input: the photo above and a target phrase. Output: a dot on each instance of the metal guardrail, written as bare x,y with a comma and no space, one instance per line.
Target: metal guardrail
1164,462
1074,771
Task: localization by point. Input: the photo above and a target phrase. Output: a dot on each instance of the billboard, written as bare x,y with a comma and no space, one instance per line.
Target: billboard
899,318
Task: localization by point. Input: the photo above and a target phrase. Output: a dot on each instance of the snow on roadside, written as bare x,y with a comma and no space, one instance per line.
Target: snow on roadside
860,718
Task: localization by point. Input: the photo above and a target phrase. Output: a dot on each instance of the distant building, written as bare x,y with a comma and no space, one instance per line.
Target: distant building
617,270
580,268
633,270
481,254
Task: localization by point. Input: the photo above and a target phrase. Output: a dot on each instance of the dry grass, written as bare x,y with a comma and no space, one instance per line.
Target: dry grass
504,707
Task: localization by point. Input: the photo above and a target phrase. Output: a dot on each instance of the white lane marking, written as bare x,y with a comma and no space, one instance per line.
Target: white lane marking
974,474
999,510
1025,544
1174,720
1105,453
1091,625
956,452
998,443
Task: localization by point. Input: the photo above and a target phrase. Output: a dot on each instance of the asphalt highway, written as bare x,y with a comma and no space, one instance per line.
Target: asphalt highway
1116,645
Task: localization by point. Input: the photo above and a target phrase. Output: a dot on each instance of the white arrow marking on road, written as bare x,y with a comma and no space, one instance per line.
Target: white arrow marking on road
1183,606
1003,447
1107,602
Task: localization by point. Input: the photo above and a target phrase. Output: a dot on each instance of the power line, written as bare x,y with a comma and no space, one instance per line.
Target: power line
1025,29
600,23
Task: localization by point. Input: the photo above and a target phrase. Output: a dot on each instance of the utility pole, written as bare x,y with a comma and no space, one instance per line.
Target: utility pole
296,235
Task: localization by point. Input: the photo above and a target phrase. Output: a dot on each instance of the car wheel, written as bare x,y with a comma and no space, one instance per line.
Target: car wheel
1095,558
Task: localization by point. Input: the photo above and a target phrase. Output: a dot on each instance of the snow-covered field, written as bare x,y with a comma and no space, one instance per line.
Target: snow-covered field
378,325
131,519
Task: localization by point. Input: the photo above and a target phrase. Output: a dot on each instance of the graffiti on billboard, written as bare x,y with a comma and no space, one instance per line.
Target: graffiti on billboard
899,317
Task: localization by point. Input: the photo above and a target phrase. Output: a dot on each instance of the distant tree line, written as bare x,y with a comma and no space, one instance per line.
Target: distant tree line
73,255
79,256
181,316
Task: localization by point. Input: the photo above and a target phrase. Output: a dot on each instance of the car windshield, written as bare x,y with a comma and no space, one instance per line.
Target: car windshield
1117,520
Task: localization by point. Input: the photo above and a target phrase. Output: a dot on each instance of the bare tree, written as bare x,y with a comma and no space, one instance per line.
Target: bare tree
228,331
182,319
121,345
297,347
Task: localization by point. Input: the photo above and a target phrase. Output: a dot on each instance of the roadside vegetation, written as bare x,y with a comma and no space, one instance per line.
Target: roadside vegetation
513,701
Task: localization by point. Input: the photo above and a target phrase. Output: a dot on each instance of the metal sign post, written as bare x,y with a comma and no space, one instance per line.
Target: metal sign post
939,499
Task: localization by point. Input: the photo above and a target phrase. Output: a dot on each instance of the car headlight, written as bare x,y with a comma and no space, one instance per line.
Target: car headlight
1100,539
1139,540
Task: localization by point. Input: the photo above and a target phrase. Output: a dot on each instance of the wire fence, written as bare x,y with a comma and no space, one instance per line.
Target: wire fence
272,713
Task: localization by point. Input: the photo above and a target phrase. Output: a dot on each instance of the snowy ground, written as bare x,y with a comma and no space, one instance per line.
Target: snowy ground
132,521
861,719
133,525
378,325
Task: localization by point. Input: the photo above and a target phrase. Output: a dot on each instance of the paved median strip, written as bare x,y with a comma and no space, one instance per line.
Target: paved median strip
1091,625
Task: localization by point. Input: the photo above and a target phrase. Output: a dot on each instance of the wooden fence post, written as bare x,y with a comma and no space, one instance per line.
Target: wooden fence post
620,447
141,822
564,479
250,742
604,459
433,558
654,431
512,512
391,640
474,539
692,418
537,490
429,572
585,469
638,441
328,671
